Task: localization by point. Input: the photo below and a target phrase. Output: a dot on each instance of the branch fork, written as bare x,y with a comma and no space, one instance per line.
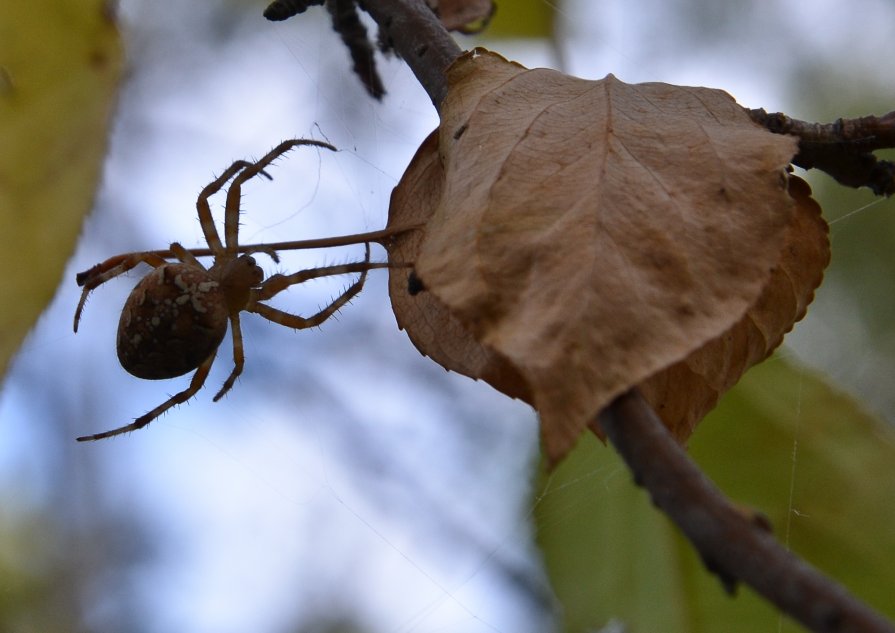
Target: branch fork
734,546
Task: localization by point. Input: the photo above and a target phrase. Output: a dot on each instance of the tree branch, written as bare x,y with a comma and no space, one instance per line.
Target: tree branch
419,38
408,26
843,149
731,545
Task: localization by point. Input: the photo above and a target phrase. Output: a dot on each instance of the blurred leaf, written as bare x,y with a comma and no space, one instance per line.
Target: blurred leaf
60,65
610,554
465,16
522,18
29,573
857,304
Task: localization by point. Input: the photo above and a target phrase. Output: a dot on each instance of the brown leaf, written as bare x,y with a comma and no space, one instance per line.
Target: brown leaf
465,16
685,392
586,234
429,324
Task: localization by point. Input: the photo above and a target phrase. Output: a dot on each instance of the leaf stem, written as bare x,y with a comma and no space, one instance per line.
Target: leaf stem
732,545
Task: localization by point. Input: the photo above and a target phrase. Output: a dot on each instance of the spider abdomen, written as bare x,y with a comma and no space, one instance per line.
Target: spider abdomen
174,319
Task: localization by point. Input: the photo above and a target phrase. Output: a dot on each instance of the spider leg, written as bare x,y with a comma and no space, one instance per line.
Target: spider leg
206,220
238,357
267,250
109,269
185,256
276,284
234,193
280,282
296,322
195,385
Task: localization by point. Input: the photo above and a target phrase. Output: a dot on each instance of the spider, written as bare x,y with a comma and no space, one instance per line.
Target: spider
176,317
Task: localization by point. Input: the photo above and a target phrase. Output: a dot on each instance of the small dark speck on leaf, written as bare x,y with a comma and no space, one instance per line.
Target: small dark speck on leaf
414,284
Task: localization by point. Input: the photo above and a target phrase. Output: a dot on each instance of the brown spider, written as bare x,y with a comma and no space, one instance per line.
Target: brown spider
176,317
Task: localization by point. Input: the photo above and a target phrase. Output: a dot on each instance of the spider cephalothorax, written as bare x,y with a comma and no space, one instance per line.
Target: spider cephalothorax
177,316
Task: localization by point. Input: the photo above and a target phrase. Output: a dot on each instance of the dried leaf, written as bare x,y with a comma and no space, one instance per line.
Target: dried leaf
465,16
429,324
685,392
588,234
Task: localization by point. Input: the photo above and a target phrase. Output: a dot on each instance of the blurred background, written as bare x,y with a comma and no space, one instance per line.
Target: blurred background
346,483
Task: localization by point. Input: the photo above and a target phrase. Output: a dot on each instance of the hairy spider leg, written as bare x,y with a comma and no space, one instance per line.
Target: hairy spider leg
120,264
238,357
109,269
275,284
185,255
234,193
196,383
206,219
278,283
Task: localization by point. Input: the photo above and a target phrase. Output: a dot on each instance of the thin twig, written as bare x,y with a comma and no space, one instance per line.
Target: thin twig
346,22
419,38
409,27
279,10
843,149
731,545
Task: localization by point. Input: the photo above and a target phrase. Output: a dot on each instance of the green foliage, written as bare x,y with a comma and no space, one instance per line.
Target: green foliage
781,442
856,304
61,65
522,18
29,569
